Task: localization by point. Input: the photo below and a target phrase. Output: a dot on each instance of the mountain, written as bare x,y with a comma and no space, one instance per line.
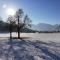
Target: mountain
45,27
57,27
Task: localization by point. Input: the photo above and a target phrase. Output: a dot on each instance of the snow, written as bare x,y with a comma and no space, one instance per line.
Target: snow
33,46
37,58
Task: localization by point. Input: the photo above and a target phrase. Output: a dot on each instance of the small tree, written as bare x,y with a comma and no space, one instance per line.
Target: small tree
11,24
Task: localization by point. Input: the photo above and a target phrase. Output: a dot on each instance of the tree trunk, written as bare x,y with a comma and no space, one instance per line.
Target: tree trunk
18,34
10,35
10,30
18,29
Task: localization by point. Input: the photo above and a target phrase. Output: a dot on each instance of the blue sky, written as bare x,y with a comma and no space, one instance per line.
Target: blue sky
39,11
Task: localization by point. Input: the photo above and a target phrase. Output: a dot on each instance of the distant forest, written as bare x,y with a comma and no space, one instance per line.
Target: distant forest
4,27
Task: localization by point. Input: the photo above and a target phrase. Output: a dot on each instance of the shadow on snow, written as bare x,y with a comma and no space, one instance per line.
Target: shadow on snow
29,50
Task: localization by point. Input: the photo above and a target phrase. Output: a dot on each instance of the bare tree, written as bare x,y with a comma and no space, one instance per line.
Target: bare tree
18,16
22,22
11,24
27,22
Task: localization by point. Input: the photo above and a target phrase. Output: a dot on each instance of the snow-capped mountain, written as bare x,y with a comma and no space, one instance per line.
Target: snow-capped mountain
45,27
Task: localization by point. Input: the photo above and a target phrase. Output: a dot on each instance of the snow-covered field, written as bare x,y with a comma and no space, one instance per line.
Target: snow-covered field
32,46
55,37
